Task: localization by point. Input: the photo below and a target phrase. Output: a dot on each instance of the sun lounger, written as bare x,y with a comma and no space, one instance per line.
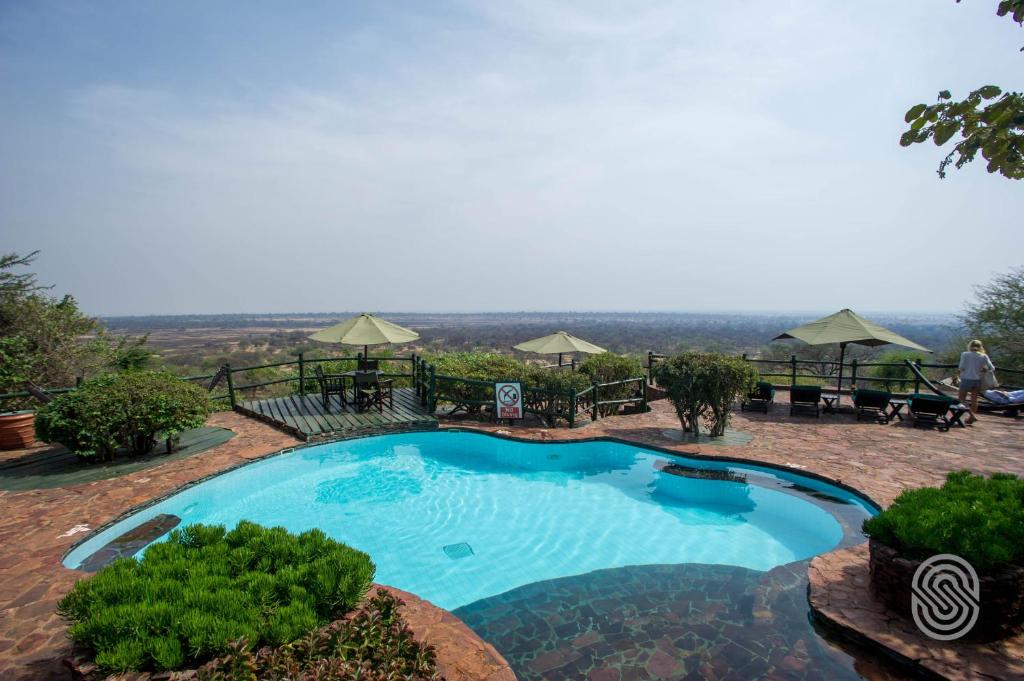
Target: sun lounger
805,398
760,397
872,403
930,411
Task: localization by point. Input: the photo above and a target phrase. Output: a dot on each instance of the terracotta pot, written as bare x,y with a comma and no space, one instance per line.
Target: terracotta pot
1002,591
17,429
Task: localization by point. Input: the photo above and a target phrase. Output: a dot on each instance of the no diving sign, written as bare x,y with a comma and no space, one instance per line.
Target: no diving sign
509,399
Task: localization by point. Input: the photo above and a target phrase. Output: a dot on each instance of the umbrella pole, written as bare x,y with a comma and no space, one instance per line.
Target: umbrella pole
559,360
839,386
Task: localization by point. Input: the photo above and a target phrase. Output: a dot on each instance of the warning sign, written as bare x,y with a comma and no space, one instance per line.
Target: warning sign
509,399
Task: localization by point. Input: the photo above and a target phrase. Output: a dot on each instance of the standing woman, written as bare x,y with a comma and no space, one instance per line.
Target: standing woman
973,365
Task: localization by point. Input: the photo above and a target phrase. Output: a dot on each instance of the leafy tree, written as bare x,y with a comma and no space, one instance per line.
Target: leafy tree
989,120
51,341
703,386
997,317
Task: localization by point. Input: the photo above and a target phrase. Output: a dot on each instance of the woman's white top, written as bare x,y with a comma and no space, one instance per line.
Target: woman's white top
972,364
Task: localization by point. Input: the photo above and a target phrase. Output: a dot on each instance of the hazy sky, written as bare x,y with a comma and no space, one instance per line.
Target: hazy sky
514,155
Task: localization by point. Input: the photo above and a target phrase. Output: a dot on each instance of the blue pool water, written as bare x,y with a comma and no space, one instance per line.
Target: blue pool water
455,517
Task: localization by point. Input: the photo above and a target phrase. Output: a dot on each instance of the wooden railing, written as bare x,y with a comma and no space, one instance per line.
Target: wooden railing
460,394
473,396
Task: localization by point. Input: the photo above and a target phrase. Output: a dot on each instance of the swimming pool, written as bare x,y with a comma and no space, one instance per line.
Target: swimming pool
456,517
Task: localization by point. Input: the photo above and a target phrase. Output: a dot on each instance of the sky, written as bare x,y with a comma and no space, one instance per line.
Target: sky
197,157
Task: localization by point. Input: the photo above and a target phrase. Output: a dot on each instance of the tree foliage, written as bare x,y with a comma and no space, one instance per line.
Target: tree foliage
997,317
988,120
703,386
49,341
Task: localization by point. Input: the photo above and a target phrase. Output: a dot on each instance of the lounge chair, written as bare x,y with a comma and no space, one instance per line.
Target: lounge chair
369,364
872,403
930,411
330,385
805,398
1011,402
371,390
760,397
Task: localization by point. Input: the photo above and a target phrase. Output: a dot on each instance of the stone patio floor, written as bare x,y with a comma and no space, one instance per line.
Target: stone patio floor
39,526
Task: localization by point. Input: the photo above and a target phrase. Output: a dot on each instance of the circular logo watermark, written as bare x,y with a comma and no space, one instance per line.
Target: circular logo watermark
945,597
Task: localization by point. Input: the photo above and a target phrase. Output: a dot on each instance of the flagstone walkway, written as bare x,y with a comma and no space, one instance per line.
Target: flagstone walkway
39,526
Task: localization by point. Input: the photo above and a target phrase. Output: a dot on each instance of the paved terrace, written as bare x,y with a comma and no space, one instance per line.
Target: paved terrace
39,526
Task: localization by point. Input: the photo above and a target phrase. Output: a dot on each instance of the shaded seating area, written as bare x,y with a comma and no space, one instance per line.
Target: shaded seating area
370,390
805,399
759,398
873,404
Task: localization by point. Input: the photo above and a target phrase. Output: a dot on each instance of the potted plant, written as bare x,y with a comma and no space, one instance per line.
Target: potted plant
17,421
978,519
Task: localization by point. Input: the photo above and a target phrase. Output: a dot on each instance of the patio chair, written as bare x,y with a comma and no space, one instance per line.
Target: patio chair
804,398
333,384
371,390
760,397
369,364
930,411
872,403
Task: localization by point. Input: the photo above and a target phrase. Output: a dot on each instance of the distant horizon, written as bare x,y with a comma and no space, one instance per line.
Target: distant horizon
752,313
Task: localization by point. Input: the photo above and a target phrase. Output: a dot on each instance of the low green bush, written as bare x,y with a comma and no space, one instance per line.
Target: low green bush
374,645
979,519
126,410
186,599
609,368
703,386
902,371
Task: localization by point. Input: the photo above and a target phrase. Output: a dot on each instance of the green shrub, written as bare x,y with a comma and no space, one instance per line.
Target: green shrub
979,519
609,368
126,410
187,598
480,366
893,372
374,645
704,386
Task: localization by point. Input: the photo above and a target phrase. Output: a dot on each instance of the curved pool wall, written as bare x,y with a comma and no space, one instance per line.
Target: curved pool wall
458,516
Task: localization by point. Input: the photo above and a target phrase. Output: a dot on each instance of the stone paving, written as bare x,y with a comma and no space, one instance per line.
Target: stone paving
40,526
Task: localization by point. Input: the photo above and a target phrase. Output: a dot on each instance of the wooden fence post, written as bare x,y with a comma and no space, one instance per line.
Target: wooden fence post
917,381
573,403
853,374
432,391
595,410
643,396
231,385
302,375
792,359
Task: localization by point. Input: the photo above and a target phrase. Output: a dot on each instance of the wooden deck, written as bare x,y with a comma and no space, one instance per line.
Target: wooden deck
306,418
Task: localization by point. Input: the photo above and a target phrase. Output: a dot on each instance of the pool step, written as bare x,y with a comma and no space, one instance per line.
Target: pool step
131,542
